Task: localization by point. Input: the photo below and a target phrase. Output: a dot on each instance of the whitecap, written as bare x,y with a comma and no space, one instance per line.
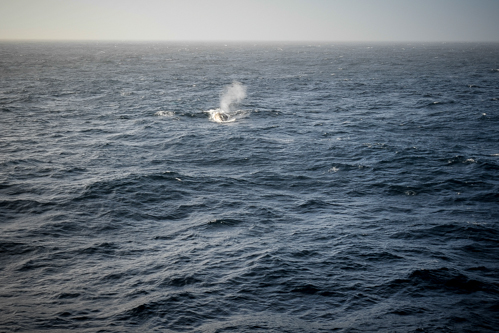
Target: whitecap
165,113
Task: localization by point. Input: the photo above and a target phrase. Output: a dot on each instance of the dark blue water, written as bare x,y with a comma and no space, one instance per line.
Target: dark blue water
355,188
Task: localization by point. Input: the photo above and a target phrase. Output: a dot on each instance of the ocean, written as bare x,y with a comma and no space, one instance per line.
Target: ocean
249,187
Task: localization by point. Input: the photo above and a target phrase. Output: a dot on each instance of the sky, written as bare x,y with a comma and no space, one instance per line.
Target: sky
251,20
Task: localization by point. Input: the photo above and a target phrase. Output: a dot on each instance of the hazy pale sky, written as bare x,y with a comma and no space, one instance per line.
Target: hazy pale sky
251,20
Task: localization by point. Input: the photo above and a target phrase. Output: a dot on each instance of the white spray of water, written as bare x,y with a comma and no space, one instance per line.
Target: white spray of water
231,96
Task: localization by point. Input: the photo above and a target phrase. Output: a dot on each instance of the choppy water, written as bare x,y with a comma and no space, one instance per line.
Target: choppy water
355,188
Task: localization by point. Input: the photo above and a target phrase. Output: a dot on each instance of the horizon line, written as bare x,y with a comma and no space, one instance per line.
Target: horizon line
243,41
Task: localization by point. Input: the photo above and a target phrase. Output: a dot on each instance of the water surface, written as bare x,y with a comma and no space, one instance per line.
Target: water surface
356,188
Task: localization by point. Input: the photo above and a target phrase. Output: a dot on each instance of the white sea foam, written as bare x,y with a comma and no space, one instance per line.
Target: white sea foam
219,116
